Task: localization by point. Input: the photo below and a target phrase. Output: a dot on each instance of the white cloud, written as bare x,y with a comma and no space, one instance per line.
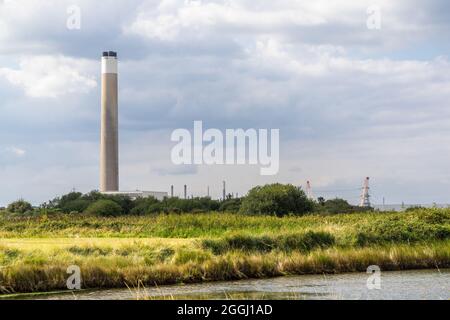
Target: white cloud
170,20
18,152
51,76
339,21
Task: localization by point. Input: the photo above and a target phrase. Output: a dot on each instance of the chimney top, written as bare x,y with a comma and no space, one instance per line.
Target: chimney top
109,54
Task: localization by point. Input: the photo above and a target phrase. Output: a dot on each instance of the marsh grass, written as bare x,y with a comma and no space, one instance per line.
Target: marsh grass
194,265
211,247
359,228
265,243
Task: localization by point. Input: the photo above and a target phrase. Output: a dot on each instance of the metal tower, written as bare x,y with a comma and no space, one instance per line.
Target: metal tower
224,191
365,197
309,192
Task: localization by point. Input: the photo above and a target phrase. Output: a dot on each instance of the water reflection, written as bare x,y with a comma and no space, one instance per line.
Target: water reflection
423,284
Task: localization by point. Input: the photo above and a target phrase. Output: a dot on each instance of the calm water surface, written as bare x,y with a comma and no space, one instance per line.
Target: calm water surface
423,284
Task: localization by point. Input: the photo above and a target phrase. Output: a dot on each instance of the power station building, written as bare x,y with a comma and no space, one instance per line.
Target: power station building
109,132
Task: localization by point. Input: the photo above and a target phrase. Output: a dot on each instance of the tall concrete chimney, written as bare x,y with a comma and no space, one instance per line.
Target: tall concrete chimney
109,136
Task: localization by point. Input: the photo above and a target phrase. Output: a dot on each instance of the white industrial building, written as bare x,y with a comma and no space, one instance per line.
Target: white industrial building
137,194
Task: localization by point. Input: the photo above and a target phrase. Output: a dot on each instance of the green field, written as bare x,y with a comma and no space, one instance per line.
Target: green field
165,249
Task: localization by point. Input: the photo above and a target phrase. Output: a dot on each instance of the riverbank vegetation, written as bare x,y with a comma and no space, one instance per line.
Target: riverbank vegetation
116,251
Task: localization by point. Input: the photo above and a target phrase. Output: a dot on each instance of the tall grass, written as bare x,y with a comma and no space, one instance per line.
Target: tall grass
109,268
285,242
114,252
418,225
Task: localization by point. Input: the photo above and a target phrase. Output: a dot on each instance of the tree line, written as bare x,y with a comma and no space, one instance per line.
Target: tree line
272,199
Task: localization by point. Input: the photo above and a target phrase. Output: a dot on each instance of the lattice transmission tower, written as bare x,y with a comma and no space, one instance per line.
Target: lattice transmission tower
365,197
309,192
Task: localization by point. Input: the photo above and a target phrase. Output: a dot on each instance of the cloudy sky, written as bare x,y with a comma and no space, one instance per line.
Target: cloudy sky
350,101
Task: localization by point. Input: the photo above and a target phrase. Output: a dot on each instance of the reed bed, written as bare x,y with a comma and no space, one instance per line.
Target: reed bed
158,250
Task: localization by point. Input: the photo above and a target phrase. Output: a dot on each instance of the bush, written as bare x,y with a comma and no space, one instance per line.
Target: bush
144,205
414,208
76,201
276,199
155,208
428,225
289,242
104,208
20,206
337,206
125,202
66,199
78,205
203,204
231,205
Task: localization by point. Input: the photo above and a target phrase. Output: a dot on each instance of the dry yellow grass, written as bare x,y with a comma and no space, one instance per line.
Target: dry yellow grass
46,244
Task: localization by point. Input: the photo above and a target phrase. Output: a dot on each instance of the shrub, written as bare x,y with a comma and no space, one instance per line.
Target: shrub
66,199
337,206
78,205
413,227
138,210
20,206
306,241
125,202
286,242
155,208
276,199
104,208
231,205
414,208
144,206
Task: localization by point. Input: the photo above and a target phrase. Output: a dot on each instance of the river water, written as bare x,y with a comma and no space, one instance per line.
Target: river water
404,285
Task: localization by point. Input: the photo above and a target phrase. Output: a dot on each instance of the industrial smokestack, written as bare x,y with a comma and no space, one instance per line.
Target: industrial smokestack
171,191
224,191
185,191
109,136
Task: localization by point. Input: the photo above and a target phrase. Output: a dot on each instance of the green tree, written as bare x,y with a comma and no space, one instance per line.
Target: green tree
104,207
20,206
231,205
276,199
78,205
321,201
337,206
142,205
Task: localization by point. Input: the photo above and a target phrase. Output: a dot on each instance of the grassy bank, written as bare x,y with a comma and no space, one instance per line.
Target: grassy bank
114,252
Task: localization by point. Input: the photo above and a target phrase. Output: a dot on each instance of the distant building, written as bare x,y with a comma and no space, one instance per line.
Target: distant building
138,194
